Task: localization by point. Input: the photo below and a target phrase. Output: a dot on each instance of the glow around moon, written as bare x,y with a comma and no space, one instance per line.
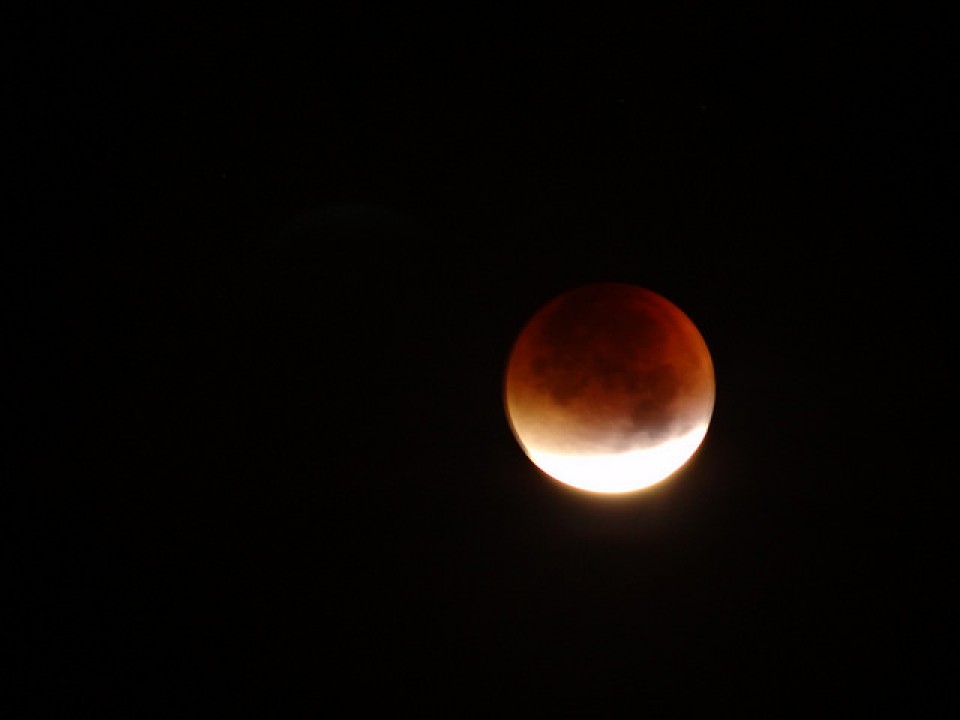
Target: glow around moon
609,388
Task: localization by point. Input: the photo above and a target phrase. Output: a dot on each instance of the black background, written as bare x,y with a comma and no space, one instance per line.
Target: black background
264,272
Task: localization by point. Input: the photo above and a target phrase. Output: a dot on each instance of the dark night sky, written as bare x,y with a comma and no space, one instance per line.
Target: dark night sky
264,277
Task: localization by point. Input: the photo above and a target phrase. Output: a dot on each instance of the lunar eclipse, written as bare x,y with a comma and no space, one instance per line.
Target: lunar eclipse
609,388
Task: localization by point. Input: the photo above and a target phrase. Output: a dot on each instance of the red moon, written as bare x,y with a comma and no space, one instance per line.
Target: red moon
609,388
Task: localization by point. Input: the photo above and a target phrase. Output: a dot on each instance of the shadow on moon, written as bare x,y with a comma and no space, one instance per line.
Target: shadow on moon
608,370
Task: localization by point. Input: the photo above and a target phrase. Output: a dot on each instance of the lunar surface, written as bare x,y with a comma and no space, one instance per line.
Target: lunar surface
609,388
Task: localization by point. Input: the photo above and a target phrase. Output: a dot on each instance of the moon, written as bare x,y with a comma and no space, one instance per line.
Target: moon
609,388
